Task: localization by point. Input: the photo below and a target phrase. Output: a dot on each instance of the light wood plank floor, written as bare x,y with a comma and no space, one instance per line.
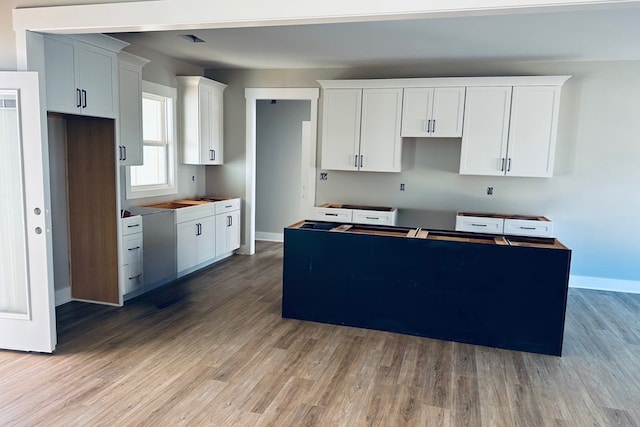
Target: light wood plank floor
216,352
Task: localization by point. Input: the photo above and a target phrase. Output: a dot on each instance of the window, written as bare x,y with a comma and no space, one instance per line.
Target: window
157,176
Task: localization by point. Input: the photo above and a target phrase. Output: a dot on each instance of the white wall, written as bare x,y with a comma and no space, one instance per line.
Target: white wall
278,163
593,198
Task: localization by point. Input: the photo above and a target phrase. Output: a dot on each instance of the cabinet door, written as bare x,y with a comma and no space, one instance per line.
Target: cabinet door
380,141
97,78
233,231
62,92
210,102
130,84
448,109
532,131
187,252
341,128
485,131
206,240
416,111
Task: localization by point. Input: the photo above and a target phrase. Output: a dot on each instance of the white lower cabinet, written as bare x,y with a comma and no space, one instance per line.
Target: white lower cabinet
195,237
334,212
131,249
513,225
227,226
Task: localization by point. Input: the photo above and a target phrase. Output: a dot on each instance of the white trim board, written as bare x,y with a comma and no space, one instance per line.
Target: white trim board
604,284
63,296
308,150
269,237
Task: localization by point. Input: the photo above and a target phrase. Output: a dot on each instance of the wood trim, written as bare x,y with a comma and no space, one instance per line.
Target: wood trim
91,179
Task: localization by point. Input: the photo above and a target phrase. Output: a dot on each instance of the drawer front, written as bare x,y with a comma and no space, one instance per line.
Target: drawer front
194,212
480,224
132,277
373,217
131,224
523,227
132,248
333,214
227,206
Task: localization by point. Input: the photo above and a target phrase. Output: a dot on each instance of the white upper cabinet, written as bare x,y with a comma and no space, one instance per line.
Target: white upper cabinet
510,131
532,131
485,131
130,85
433,112
341,114
201,120
81,78
361,129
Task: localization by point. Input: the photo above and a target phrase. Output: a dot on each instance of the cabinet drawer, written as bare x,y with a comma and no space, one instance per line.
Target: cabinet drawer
132,248
373,217
194,212
132,277
524,227
333,214
480,224
131,224
227,206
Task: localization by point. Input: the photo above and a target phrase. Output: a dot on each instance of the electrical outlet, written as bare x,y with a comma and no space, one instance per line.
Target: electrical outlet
401,187
490,191
324,176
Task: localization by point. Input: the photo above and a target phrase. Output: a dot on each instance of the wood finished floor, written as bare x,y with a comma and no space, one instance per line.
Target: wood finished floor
216,352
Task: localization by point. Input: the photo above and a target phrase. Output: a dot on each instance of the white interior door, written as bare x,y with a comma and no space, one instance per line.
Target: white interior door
27,313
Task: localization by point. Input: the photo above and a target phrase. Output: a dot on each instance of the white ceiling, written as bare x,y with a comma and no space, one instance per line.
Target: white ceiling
583,35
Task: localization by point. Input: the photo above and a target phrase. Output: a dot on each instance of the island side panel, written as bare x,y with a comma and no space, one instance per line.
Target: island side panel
499,296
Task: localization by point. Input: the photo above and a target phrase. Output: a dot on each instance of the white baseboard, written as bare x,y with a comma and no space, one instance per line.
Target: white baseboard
604,284
270,237
63,296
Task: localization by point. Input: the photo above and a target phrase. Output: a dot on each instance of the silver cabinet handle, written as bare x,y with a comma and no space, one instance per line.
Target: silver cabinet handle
124,150
428,126
361,159
355,161
78,98
502,160
133,225
135,277
527,228
229,220
330,214
433,128
133,249
509,165
212,154
372,217
479,225
84,98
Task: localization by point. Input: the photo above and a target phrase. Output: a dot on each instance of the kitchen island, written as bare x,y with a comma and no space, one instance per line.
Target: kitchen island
499,291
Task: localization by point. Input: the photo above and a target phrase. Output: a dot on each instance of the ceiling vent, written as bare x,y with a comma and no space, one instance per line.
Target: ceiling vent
192,38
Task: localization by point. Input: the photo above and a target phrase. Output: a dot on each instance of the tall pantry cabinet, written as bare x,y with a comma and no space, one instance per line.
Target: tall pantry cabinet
81,75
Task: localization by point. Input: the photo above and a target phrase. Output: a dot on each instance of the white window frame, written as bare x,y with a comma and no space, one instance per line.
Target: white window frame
172,162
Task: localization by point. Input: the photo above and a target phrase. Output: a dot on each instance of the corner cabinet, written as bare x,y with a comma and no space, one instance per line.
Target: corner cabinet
433,112
201,120
361,129
130,100
510,131
81,74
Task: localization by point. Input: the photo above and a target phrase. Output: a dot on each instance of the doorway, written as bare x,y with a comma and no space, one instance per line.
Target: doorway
279,133
307,155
